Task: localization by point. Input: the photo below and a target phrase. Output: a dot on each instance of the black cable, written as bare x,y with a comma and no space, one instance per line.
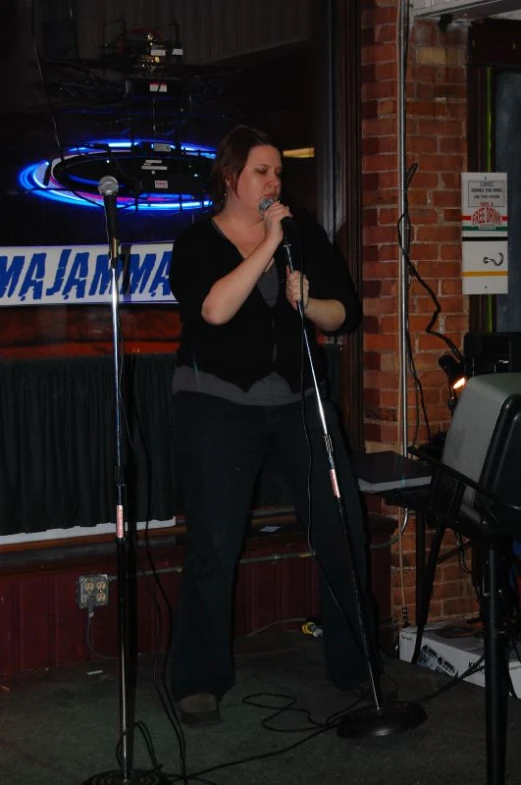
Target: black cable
88,633
288,707
404,239
331,723
147,738
160,684
476,666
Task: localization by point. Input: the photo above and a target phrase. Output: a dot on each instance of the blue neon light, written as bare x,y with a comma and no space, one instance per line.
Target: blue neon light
32,179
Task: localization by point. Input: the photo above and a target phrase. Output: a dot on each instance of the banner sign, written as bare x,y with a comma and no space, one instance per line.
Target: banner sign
484,227
80,274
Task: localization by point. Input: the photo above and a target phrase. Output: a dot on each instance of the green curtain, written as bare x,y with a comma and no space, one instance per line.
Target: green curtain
57,456
58,435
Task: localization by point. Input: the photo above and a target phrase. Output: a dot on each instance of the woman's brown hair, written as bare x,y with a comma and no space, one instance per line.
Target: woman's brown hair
231,157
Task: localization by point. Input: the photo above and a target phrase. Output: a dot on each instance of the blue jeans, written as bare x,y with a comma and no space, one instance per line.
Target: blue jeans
220,447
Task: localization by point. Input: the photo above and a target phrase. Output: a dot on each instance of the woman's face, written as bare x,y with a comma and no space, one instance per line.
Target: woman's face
260,177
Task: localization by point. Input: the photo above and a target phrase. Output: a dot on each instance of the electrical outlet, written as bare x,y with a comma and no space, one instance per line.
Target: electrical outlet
92,590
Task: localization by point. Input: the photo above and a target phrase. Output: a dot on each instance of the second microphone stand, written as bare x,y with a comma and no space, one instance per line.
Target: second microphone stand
125,775
376,720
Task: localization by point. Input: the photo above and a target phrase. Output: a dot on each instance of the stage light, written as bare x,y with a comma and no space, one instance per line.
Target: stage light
455,377
461,382
153,175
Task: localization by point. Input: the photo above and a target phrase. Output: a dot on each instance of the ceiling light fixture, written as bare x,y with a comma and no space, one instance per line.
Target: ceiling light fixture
153,175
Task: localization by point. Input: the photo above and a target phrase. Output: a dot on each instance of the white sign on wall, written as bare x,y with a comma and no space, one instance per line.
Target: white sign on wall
484,227
54,275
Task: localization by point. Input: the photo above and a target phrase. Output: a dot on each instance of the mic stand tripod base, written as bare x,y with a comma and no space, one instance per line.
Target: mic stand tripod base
134,778
373,721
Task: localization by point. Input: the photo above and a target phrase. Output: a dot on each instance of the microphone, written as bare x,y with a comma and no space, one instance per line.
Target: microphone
267,201
288,226
108,188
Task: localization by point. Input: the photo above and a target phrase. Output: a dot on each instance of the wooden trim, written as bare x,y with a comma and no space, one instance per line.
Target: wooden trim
337,30
91,552
477,155
260,517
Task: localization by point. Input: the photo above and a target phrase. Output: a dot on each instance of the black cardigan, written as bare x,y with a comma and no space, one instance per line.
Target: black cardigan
242,350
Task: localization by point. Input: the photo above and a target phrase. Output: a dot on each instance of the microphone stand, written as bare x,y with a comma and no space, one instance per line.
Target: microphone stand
125,775
377,720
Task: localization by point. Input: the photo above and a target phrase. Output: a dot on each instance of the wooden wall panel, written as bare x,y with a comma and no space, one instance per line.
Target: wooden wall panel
42,626
57,331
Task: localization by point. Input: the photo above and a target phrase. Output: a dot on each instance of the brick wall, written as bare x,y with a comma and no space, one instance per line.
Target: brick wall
436,106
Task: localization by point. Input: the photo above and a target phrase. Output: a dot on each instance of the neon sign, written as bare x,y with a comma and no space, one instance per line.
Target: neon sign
146,170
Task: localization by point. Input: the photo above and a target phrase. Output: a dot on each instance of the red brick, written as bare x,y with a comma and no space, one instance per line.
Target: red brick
378,306
422,144
428,109
424,216
447,198
388,215
380,234
385,32
423,179
441,162
447,234
452,215
448,590
381,196
370,110
426,251
462,605
385,70
371,289
441,127
379,89
451,305
376,342
380,163
451,286
380,270
451,180
454,323
423,91
450,146
381,53
380,13
371,325
372,432
371,360
436,139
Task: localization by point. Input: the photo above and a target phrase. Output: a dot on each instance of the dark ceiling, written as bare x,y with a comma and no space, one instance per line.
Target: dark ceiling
51,102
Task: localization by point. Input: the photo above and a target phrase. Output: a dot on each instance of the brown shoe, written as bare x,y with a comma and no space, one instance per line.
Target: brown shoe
200,709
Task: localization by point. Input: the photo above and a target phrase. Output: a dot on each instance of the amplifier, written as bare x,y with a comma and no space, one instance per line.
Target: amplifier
484,440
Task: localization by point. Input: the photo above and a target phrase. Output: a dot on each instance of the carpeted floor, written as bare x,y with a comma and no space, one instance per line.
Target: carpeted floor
62,727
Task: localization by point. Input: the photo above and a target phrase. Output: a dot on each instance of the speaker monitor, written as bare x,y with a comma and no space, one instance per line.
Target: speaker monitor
484,440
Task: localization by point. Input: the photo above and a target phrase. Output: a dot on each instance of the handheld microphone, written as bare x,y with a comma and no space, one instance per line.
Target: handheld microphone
287,224
267,201
108,188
